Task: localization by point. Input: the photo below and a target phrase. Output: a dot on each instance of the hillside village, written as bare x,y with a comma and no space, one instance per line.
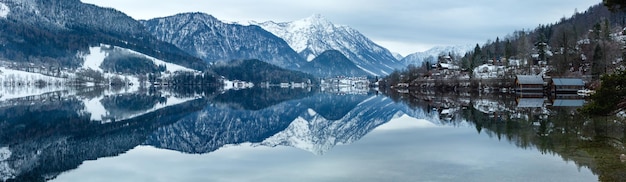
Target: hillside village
547,67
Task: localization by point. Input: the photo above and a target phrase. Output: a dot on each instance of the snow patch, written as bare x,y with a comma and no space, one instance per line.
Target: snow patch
94,59
4,10
621,114
310,58
312,112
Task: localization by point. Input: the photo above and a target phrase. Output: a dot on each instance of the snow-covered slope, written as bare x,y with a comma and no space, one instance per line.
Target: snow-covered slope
419,57
97,55
311,36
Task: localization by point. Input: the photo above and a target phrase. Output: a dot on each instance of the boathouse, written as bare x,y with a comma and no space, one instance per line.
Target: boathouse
567,85
529,86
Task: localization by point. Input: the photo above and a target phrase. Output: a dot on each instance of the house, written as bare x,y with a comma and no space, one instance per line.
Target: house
529,86
567,85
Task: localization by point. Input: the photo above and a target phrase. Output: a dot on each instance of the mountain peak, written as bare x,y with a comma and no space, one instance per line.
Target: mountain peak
316,20
311,36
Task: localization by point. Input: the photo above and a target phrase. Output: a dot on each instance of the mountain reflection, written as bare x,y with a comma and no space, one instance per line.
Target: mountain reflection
48,134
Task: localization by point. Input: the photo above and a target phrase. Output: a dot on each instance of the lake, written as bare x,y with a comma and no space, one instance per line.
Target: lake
282,134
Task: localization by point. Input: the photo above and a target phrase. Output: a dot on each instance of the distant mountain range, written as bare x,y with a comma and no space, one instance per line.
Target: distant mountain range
419,58
52,34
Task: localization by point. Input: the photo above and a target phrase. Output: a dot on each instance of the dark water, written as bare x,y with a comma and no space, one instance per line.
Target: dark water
302,135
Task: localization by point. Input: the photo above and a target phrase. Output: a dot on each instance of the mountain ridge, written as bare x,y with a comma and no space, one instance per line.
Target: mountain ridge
212,40
53,32
315,34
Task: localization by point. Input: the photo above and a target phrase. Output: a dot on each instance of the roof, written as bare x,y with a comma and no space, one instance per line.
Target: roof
529,80
568,81
530,103
568,103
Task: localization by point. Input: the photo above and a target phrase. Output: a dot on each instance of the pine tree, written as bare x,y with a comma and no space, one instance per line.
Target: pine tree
598,62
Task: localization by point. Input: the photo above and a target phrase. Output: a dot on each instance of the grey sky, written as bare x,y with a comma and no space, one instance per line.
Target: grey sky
403,26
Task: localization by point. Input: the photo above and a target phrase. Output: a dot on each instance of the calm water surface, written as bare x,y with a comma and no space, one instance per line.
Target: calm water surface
302,135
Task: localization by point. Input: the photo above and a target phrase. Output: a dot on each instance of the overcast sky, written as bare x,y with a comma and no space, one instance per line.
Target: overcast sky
403,26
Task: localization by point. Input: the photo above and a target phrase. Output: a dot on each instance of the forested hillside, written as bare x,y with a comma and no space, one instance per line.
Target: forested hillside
587,43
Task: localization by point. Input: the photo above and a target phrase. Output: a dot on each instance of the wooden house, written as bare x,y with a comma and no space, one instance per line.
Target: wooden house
529,86
566,85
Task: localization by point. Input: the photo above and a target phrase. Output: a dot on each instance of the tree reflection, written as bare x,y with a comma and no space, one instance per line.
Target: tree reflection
592,142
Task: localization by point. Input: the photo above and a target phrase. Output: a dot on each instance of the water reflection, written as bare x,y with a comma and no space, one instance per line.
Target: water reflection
44,136
552,126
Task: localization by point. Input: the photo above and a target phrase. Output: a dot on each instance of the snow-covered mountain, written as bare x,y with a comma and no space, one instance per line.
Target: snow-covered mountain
212,40
311,36
418,58
51,33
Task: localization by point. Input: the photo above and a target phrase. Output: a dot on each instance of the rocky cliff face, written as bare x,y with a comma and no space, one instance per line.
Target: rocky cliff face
206,37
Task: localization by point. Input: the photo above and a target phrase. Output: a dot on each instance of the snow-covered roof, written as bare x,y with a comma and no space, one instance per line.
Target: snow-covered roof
529,79
568,82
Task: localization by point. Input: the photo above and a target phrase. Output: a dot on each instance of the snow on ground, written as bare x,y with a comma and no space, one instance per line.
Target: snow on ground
94,59
4,10
169,66
622,114
96,56
27,81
